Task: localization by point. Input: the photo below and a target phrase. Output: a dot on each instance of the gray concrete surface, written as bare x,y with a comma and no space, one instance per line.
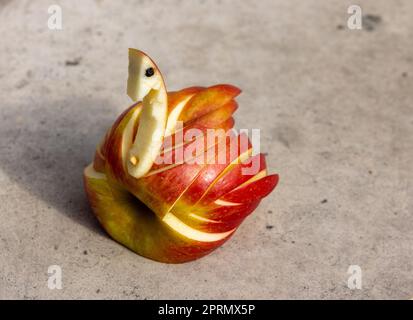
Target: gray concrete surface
335,110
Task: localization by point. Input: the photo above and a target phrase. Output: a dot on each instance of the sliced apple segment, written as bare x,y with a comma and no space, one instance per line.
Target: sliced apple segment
215,117
150,134
253,191
114,150
99,161
220,219
234,177
145,82
183,229
210,226
174,115
190,133
128,134
258,176
228,212
209,100
175,97
243,153
198,150
218,152
176,103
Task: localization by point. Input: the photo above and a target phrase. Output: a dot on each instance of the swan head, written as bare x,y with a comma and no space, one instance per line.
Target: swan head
144,75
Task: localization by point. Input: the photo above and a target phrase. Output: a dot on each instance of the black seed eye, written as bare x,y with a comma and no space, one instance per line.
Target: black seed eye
149,72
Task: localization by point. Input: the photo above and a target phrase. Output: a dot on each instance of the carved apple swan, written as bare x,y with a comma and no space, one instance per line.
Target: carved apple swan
179,210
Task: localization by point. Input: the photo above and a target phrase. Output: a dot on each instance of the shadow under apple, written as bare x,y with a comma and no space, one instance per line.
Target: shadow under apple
46,145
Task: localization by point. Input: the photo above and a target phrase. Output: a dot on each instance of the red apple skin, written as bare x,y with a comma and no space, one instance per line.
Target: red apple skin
99,161
232,180
199,129
208,100
175,97
215,117
209,174
227,213
172,150
223,218
256,190
132,210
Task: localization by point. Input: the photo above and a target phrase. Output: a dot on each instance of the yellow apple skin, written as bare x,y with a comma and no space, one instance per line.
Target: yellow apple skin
175,213
128,221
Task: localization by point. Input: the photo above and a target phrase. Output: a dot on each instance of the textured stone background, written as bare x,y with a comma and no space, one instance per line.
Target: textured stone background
335,110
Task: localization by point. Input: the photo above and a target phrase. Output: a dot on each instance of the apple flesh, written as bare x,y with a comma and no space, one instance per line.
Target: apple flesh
146,82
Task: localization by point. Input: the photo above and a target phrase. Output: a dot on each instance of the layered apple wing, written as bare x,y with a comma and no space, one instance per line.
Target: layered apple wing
197,189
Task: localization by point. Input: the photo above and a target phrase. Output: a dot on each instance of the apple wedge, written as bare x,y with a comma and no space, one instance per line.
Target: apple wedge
215,117
146,82
176,103
252,191
208,100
